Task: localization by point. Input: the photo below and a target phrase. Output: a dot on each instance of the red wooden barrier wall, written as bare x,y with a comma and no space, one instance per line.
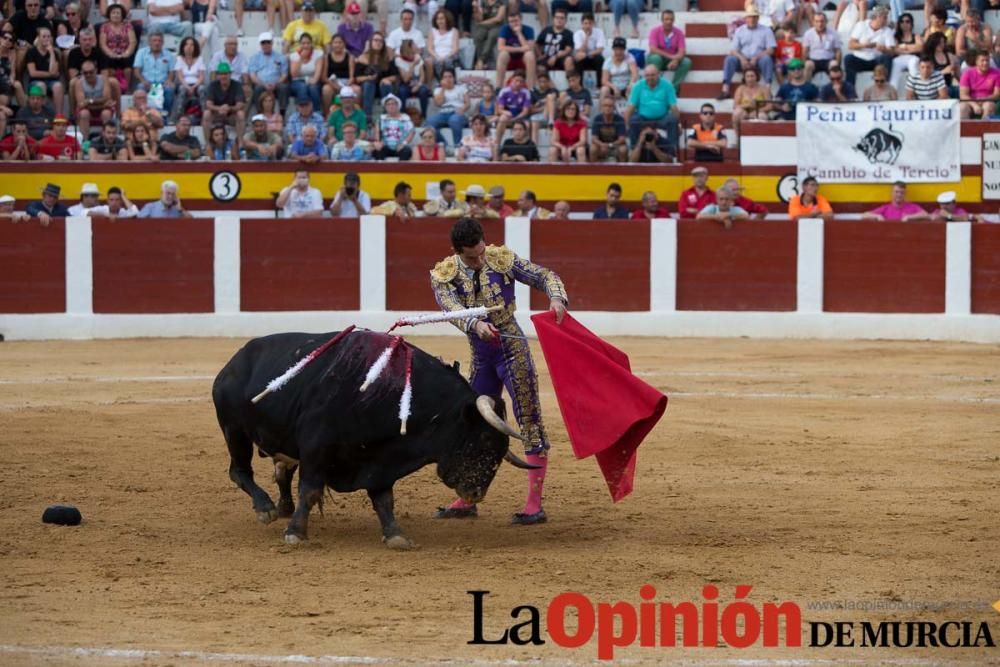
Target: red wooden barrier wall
300,264
884,267
604,263
749,267
154,266
986,269
411,251
33,267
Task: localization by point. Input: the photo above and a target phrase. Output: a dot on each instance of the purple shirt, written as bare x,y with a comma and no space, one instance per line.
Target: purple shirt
981,86
513,102
892,212
356,39
671,45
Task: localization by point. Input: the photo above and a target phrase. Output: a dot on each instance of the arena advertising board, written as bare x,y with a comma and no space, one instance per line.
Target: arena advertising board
914,142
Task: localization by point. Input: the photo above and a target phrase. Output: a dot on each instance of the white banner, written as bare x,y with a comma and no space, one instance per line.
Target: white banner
991,165
879,142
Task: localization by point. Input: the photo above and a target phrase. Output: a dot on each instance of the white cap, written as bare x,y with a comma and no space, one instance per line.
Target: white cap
258,116
948,197
390,96
265,37
475,191
89,189
347,91
7,199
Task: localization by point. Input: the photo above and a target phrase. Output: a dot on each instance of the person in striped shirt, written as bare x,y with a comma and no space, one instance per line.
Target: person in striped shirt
927,84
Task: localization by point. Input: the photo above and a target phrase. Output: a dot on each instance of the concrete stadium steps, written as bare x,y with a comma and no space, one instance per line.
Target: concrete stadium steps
699,29
702,91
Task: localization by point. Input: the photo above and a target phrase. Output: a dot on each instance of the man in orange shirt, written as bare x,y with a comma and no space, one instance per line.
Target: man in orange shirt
58,145
809,204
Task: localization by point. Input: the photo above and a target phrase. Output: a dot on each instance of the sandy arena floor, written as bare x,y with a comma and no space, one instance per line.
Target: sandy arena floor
817,472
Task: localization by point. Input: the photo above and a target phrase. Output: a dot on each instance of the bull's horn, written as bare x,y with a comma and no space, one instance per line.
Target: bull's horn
485,406
516,461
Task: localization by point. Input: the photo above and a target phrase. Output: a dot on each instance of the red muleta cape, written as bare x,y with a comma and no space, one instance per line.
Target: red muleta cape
607,410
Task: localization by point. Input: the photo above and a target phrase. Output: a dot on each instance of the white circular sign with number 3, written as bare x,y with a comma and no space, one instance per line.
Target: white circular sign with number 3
225,186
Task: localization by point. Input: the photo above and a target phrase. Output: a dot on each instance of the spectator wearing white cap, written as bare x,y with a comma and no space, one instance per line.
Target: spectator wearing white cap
7,211
268,70
260,143
949,210
394,132
348,111
475,200
89,198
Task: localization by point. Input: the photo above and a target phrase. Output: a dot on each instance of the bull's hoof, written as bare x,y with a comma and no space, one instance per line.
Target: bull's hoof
267,516
469,512
285,510
292,538
398,543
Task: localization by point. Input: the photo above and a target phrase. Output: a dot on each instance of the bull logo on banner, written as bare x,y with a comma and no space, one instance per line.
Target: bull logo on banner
881,146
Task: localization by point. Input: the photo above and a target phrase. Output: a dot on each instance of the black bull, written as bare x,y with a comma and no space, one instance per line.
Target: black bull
349,440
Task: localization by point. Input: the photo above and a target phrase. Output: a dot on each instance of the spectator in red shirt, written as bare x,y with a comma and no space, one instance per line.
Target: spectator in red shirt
569,136
18,145
497,203
755,210
696,198
650,208
58,145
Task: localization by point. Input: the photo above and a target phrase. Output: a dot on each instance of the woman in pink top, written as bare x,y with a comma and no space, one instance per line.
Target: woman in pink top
979,88
898,209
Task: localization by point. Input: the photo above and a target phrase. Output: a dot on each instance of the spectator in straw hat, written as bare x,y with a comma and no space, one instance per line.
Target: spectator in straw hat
7,211
49,206
949,210
89,198
475,201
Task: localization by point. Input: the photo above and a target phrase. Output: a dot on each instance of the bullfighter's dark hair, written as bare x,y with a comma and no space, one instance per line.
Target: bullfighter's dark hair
467,233
401,188
445,182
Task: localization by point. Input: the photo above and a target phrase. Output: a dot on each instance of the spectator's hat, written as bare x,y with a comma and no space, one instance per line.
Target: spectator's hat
475,191
751,12
699,170
794,63
308,6
259,117
36,90
303,99
948,197
347,91
65,41
354,8
223,68
89,189
619,43
7,199
51,189
266,36
389,98
60,119
497,192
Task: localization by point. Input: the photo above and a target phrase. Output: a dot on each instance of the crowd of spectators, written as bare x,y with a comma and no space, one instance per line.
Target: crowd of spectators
781,45
74,64
343,90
